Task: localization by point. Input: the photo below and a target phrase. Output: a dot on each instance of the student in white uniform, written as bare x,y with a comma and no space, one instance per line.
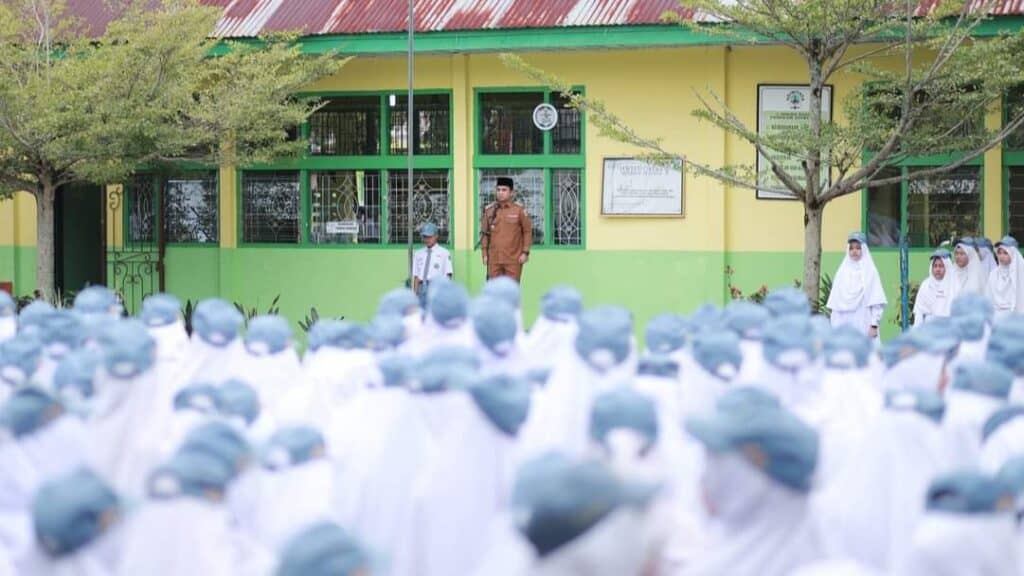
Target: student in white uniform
1006,281
857,297
969,528
430,262
970,272
8,316
938,290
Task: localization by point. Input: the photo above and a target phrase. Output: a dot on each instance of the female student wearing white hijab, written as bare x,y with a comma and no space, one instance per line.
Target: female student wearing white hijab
869,509
554,331
77,521
857,297
465,488
970,528
979,390
987,255
761,461
970,274
8,316
937,292
1006,282
1002,437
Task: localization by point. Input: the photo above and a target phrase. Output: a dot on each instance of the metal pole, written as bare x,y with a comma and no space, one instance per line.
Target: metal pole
408,135
904,283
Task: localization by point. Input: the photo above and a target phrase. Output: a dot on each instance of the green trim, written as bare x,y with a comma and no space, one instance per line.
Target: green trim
904,202
1013,157
558,38
383,162
546,162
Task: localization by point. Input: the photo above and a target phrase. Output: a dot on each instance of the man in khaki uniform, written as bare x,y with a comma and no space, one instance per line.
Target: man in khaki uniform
506,234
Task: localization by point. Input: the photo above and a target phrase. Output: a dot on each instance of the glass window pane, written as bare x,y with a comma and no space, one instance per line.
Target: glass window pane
193,209
345,207
529,191
429,204
884,212
943,207
1014,106
348,126
433,136
506,123
565,137
567,204
141,191
270,207
1015,193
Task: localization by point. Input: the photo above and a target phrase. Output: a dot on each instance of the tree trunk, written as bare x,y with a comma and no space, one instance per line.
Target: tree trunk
812,253
45,239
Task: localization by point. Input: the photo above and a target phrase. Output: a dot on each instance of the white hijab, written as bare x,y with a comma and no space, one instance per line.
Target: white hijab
120,449
272,376
971,278
289,499
759,527
868,511
560,413
1006,284
856,284
386,481
921,371
332,380
187,535
847,404
459,495
948,544
8,327
547,341
966,414
98,558
1003,445
935,297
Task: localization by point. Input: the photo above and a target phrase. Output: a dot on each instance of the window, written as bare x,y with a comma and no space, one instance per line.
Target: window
351,189
433,134
1015,201
192,209
270,207
348,126
429,203
345,207
884,212
141,199
937,208
547,167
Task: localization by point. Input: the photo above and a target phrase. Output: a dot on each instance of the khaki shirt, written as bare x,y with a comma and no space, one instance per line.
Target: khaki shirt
508,232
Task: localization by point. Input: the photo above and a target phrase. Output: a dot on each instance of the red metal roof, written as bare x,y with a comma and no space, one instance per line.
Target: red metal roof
247,18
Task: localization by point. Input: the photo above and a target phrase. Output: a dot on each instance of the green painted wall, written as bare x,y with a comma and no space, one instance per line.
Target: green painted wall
349,282
192,272
18,265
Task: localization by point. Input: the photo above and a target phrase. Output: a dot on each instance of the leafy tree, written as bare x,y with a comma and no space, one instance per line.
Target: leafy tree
926,79
145,93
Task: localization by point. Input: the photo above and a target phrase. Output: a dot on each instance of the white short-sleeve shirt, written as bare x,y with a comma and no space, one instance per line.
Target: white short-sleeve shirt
440,263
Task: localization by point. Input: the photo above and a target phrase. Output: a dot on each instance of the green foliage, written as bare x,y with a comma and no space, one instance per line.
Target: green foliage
145,93
251,312
311,318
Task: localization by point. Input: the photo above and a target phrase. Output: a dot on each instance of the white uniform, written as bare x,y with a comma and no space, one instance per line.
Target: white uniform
438,265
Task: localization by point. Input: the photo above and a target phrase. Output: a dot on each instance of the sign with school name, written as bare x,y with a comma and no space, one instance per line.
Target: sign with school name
782,109
633,187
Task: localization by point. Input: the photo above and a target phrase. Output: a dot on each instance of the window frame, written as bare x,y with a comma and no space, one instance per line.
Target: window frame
922,162
547,162
1012,158
384,162
159,181
217,188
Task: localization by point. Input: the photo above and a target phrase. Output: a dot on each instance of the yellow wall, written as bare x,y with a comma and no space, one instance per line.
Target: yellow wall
654,92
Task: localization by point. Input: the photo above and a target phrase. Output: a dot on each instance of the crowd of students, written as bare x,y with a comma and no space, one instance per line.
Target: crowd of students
975,266
448,441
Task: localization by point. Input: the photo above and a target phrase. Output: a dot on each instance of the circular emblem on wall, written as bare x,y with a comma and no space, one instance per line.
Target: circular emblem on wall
796,99
545,117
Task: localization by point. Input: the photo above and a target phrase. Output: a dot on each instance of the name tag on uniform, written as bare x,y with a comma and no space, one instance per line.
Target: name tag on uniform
512,217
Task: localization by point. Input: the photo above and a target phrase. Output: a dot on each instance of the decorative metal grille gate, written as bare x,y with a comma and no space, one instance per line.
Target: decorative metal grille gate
134,241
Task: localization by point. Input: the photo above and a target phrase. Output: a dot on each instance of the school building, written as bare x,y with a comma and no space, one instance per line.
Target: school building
329,230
